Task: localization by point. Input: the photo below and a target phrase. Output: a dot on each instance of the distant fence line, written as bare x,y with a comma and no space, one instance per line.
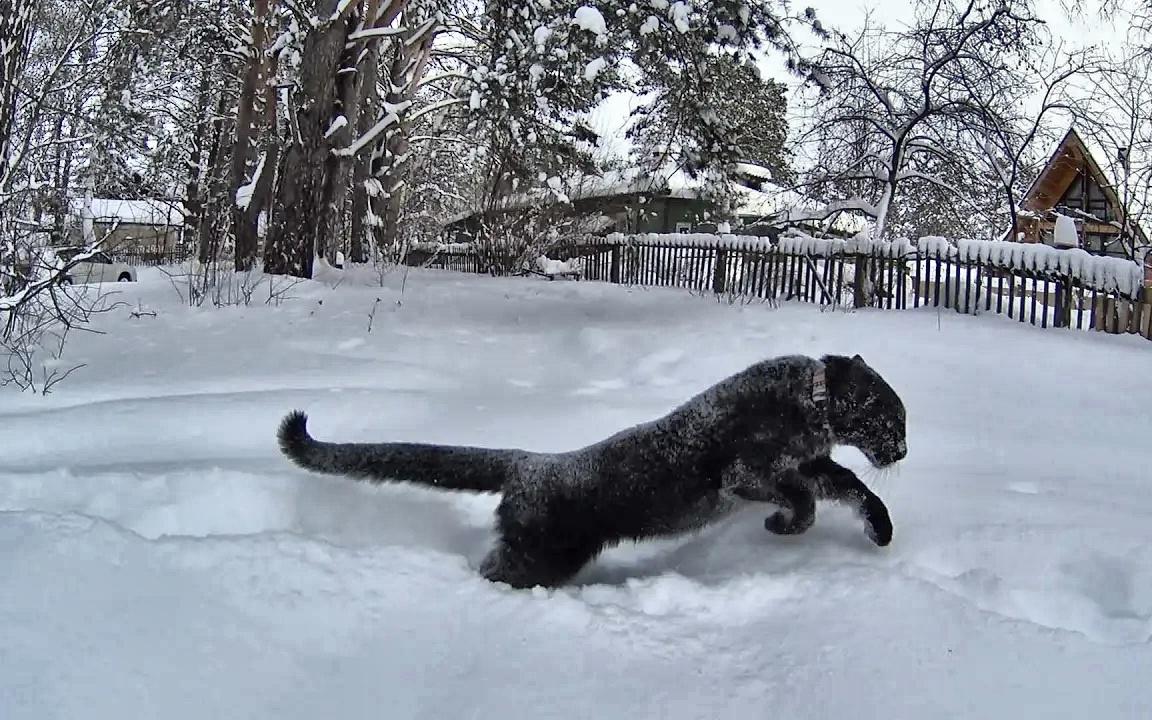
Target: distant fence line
150,258
1027,282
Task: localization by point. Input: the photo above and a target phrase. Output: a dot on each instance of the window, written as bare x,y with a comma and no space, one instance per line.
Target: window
683,227
1086,195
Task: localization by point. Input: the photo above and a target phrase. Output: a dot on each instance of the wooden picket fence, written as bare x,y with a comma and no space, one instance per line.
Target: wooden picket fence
893,276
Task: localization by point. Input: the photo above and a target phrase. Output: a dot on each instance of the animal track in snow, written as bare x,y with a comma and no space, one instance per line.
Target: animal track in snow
1103,594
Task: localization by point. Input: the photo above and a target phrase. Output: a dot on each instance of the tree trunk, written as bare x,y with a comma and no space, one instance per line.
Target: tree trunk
194,187
406,72
262,192
245,232
883,209
362,169
303,215
15,36
209,232
1013,218
350,89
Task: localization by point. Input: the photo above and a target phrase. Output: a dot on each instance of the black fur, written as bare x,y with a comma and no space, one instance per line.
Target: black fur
444,466
760,435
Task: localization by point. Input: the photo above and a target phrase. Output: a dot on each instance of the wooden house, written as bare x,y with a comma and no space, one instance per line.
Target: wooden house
1073,191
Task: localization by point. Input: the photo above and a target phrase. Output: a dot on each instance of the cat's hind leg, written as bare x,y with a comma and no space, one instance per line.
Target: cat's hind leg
524,567
538,545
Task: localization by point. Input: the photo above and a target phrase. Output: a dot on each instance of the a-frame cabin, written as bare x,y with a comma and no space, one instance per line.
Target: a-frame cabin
1072,184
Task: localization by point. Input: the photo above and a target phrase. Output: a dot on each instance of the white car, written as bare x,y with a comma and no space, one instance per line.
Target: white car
97,269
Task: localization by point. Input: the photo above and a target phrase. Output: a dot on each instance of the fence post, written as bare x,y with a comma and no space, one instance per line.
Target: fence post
720,271
859,279
615,270
1144,322
1124,308
1063,314
1103,308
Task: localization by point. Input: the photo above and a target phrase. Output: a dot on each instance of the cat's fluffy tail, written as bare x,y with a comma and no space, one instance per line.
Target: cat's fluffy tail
451,467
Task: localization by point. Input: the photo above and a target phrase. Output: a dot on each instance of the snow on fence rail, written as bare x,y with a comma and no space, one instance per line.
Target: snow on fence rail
1104,273
1030,283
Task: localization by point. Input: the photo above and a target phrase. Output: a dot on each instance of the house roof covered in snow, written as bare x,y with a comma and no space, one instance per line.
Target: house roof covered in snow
137,212
759,199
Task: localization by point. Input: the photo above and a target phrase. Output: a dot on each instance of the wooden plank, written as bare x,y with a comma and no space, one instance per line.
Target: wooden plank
918,283
949,302
902,284
826,281
841,259
1124,313
968,287
1044,317
773,272
936,289
859,275
988,293
809,280
718,272
1034,293
891,299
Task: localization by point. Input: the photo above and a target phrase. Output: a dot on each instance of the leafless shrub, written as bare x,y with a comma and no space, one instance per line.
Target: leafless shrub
38,316
215,284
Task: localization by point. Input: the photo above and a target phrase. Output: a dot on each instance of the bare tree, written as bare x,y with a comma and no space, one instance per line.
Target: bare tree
1011,124
891,103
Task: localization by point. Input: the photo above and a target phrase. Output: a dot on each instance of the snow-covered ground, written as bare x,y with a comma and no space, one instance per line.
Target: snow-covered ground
159,559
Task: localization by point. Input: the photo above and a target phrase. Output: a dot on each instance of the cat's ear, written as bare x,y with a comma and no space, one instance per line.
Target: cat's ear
858,359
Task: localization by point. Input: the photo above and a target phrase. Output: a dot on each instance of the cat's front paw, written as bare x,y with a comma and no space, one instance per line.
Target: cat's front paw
879,525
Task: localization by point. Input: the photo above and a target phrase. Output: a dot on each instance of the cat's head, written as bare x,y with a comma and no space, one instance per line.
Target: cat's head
864,411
